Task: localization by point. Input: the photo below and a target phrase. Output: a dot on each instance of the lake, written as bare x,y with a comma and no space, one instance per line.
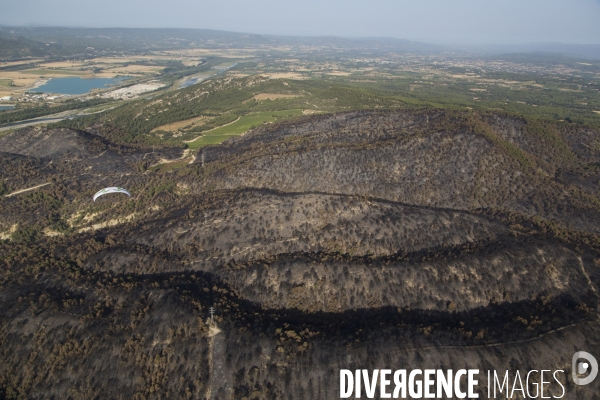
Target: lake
77,85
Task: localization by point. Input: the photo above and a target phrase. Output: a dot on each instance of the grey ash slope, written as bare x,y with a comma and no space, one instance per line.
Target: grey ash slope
74,165
433,159
270,247
429,239
80,150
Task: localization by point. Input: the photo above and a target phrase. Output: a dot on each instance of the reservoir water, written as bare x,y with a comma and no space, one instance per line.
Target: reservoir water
2,108
77,85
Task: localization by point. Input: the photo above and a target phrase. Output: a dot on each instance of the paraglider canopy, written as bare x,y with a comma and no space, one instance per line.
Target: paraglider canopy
111,190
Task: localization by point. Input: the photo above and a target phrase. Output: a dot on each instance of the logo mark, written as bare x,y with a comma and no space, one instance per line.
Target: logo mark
580,368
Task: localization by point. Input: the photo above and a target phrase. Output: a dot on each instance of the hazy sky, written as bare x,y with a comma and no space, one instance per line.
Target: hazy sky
435,21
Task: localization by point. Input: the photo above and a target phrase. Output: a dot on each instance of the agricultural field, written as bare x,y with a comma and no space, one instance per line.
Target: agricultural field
240,126
179,127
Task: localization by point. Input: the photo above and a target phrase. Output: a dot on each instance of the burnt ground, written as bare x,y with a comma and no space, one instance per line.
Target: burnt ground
429,239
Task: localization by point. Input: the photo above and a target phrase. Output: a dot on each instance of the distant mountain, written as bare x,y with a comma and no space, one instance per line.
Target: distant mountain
79,40
61,41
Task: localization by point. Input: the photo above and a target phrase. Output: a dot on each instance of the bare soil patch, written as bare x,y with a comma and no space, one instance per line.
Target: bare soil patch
188,123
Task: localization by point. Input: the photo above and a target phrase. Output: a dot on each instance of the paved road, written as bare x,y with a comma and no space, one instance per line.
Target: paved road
29,122
69,114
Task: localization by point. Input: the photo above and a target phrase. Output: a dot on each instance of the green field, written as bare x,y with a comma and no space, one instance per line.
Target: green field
5,82
218,135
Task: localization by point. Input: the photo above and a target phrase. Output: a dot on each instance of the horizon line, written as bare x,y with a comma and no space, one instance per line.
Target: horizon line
433,43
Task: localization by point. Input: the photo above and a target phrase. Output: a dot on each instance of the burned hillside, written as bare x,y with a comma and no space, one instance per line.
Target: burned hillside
422,239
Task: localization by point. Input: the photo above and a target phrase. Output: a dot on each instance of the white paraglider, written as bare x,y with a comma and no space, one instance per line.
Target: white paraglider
111,190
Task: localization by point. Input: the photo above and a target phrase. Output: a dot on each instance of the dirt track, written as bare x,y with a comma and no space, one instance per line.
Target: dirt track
27,190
